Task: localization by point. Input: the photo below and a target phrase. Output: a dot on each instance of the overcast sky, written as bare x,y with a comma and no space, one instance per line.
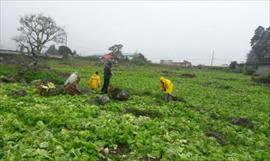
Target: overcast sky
175,30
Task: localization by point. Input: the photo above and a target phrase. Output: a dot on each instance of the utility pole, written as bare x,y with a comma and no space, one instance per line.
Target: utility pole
66,39
213,53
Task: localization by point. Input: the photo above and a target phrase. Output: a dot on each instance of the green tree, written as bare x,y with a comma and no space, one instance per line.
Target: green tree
260,43
74,53
65,51
233,64
139,59
52,51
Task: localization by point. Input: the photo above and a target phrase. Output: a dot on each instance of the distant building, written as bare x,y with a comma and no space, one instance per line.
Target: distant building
166,62
225,65
184,64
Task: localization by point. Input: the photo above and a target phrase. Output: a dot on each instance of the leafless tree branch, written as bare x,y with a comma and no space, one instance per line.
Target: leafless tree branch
36,31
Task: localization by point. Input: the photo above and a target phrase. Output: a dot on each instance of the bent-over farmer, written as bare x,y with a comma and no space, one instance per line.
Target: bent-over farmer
167,86
71,85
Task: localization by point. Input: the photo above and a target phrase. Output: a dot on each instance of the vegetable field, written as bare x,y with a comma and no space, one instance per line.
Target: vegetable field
202,125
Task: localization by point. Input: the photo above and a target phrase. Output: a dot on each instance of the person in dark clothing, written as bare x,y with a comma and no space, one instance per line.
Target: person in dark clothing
107,77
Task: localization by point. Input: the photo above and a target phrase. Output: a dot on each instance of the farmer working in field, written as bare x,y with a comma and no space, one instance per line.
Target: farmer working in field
94,81
107,76
167,86
71,85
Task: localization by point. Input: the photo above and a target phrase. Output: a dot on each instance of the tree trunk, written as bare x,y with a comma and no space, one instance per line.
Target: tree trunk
34,61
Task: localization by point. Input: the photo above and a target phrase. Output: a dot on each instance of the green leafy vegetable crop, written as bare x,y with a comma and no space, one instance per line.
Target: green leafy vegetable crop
144,127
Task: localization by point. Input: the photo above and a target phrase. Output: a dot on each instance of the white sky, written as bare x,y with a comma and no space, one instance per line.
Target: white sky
178,30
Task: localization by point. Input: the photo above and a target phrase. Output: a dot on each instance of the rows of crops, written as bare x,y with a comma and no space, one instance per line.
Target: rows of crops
144,127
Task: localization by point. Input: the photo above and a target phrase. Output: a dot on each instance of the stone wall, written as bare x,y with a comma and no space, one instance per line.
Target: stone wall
263,70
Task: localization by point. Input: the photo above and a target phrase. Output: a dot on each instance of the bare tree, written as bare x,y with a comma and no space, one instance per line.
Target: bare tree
36,31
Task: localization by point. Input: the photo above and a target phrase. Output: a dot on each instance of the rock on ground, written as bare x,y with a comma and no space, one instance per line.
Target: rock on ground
219,137
6,79
103,99
139,112
18,93
188,75
244,122
179,99
87,91
100,100
119,94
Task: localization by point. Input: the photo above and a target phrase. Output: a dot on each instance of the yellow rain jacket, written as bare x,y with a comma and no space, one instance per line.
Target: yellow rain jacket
94,81
166,85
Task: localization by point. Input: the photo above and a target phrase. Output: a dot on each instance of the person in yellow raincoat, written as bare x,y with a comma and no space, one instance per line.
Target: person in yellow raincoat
94,81
167,86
